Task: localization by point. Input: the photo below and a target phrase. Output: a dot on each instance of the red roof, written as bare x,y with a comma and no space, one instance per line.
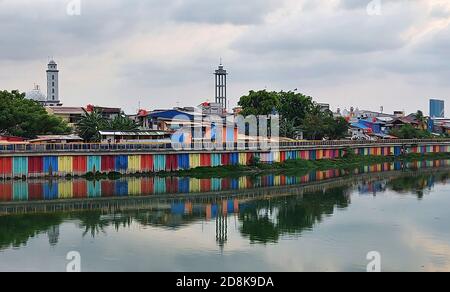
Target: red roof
11,138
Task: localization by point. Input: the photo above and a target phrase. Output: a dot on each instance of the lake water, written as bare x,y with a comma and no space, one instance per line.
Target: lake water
320,221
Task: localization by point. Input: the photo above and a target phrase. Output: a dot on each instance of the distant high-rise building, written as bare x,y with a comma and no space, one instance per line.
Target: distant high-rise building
437,108
221,86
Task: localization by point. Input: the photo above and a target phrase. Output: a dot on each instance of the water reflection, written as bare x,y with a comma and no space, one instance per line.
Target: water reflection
50,190
261,219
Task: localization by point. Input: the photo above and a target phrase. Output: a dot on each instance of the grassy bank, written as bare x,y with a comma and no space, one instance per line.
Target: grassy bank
303,166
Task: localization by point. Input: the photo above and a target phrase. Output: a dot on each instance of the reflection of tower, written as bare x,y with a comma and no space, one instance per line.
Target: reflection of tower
221,230
53,235
221,86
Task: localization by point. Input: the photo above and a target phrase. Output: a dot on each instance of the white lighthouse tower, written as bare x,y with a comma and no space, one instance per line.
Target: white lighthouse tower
53,85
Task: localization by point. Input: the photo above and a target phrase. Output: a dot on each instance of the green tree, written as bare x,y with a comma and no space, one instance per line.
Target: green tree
314,127
421,119
122,123
27,118
289,128
297,111
259,103
294,106
409,132
338,128
89,126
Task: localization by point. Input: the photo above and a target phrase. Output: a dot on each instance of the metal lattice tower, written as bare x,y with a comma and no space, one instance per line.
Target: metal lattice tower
221,86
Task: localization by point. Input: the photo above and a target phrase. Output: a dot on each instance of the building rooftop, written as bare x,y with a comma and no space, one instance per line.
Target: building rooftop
50,138
66,110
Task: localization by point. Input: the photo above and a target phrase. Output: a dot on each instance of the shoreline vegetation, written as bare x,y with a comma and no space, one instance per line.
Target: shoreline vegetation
290,167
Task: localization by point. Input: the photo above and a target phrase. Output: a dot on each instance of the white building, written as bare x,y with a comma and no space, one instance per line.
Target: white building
52,98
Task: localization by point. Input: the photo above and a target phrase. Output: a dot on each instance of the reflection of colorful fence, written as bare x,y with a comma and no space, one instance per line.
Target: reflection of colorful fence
211,210
77,189
35,166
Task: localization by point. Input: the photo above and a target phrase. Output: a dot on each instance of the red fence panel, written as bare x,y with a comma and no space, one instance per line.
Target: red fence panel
147,186
80,164
205,159
35,192
171,162
205,185
5,166
172,185
147,163
226,159
107,188
6,192
35,165
80,189
108,163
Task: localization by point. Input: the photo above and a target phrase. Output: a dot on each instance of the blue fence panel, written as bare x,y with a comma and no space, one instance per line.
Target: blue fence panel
94,164
20,166
50,164
121,188
183,185
94,189
50,191
121,163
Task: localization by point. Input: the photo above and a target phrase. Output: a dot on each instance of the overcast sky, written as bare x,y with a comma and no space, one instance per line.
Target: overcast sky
163,52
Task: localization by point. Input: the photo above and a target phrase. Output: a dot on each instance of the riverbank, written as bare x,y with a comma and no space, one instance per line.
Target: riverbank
294,167
290,167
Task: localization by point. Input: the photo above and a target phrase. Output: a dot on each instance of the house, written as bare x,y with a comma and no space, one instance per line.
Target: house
191,126
141,119
71,115
108,113
439,126
359,131
212,108
369,129
399,122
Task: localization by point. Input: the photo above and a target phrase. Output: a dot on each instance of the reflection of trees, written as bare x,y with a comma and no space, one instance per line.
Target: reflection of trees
92,223
262,221
164,218
417,185
95,222
16,230
266,221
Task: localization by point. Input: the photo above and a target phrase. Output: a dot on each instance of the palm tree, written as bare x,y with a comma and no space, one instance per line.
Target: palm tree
289,129
122,123
421,119
90,125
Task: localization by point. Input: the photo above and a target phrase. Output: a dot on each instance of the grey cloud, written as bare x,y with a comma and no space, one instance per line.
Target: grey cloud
354,4
320,48
219,12
37,29
338,33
